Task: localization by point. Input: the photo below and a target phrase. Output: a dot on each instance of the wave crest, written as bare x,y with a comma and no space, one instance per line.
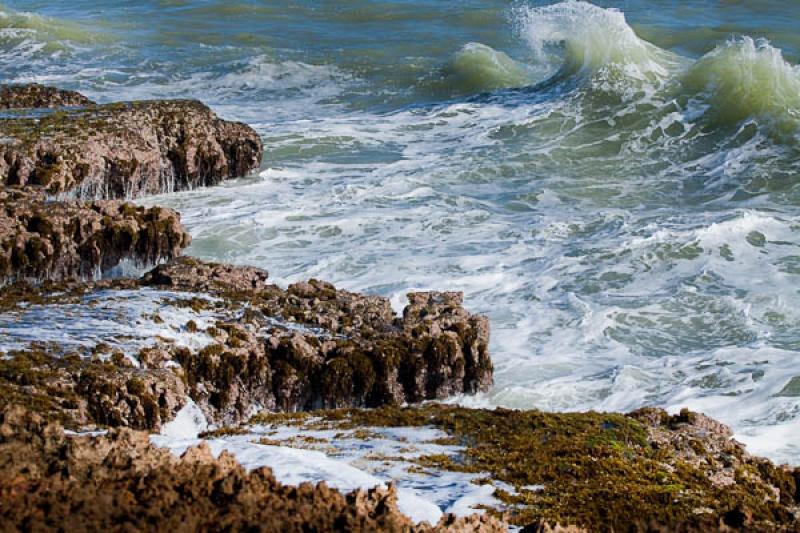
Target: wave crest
477,68
593,39
48,29
746,78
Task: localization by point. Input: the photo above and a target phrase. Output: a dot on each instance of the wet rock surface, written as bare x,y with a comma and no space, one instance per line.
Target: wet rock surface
45,239
120,482
309,346
81,392
39,96
310,349
313,346
124,150
645,471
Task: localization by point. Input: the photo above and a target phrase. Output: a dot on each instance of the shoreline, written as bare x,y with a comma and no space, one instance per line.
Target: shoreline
244,346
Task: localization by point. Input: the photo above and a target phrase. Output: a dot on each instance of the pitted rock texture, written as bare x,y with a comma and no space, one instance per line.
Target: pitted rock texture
647,471
313,346
45,239
120,482
125,150
194,275
306,347
34,95
81,392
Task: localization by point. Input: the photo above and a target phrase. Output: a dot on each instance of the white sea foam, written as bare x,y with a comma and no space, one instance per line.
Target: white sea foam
188,423
293,466
125,320
350,462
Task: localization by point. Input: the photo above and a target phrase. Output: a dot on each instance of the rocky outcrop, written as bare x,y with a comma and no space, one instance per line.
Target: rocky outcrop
125,150
34,95
120,482
604,472
309,346
46,239
313,346
102,390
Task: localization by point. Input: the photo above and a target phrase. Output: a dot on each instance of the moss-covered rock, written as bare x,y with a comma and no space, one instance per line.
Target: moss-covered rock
313,346
33,95
645,471
45,239
309,346
80,391
121,482
124,150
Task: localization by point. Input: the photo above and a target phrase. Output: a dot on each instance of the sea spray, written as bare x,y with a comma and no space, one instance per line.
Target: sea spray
748,79
594,39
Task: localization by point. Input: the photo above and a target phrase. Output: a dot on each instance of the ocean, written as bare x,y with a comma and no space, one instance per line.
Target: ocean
616,185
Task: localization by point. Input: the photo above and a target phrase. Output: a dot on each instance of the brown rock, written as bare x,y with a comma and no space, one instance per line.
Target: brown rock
191,274
313,346
38,96
307,347
120,482
81,391
125,150
45,239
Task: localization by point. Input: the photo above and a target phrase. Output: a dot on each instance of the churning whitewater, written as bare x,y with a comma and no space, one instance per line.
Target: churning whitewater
618,191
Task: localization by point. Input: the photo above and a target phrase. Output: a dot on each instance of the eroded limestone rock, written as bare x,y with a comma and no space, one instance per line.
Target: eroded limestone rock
313,346
34,95
45,239
306,347
120,482
81,392
124,150
605,472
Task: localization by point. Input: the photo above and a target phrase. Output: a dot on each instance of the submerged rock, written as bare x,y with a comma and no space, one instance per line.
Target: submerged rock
124,150
34,95
45,239
120,481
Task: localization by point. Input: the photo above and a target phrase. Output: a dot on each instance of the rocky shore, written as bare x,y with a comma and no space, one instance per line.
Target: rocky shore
119,150
309,346
46,239
116,359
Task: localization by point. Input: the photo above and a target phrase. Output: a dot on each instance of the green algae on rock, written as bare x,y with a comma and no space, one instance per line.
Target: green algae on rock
37,96
329,347
120,481
309,346
78,391
125,150
45,239
645,471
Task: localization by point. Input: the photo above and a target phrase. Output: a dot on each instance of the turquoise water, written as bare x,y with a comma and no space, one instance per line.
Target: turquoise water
616,185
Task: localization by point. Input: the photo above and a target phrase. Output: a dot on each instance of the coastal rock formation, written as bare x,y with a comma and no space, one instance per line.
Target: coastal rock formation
125,150
605,472
309,346
45,239
120,482
313,346
99,390
34,95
